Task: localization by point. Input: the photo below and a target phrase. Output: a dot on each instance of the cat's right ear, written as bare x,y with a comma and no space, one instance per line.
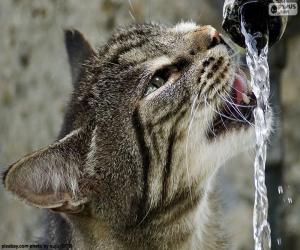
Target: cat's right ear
51,177
78,50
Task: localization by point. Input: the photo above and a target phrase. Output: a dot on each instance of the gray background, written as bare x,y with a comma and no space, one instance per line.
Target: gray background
35,86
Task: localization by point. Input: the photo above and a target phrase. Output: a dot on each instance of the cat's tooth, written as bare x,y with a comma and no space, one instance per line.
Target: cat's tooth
249,87
245,98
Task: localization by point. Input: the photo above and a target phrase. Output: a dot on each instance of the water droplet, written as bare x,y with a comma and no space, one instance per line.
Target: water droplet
290,200
280,190
278,241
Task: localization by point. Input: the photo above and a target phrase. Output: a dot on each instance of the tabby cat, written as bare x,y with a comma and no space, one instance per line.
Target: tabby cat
154,113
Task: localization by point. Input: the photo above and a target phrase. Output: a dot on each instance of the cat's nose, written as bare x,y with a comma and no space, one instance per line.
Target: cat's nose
207,37
215,38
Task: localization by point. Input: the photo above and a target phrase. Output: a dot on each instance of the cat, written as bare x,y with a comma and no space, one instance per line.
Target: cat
154,114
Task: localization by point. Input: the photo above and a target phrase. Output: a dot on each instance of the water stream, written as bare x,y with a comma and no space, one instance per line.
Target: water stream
259,69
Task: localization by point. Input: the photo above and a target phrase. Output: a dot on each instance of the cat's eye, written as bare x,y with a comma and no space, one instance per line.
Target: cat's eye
155,83
160,78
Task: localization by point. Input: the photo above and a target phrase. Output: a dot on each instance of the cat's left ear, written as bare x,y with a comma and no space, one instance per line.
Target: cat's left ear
78,50
50,177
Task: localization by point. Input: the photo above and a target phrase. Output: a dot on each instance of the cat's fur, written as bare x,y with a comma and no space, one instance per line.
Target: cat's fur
136,171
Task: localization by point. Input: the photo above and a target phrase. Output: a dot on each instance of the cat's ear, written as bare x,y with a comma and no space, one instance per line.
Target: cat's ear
78,50
50,177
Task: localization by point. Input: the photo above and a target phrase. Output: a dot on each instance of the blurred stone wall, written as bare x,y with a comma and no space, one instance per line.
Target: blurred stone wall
35,86
291,130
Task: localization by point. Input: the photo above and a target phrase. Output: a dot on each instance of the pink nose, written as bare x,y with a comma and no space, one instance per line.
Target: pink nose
207,36
215,37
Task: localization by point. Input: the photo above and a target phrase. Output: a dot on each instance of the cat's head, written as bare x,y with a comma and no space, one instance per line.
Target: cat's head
153,115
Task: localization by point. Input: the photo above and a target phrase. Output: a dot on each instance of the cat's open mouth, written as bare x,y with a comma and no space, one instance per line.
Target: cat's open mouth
237,108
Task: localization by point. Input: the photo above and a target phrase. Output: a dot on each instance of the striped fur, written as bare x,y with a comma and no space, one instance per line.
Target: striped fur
147,171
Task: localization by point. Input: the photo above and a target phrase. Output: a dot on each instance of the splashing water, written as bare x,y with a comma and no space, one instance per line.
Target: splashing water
259,69
279,241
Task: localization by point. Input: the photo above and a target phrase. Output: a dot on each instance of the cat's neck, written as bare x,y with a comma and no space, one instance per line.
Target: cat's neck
197,229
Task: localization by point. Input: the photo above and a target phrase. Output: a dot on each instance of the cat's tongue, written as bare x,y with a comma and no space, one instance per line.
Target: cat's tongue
240,88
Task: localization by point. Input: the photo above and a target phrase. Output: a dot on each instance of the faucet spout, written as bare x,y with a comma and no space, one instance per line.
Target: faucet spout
255,17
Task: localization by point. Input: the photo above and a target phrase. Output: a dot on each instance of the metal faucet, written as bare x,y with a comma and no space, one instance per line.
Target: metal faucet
254,14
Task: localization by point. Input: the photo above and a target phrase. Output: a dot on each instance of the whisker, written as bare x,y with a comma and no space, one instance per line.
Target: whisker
221,114
131,15
223,123
132,9
232,102
234,54
233,105
222,118
192,116
238,91
130,4
209,125
142,220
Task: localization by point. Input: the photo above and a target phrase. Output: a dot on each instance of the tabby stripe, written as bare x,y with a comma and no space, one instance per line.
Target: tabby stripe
144,152
156,147
183,206
170,114
182,203
221,70
211,88
184,100
124,49
130,47
150,127
130,34
168,166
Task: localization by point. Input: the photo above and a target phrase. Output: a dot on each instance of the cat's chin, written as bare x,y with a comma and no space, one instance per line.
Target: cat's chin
235,141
